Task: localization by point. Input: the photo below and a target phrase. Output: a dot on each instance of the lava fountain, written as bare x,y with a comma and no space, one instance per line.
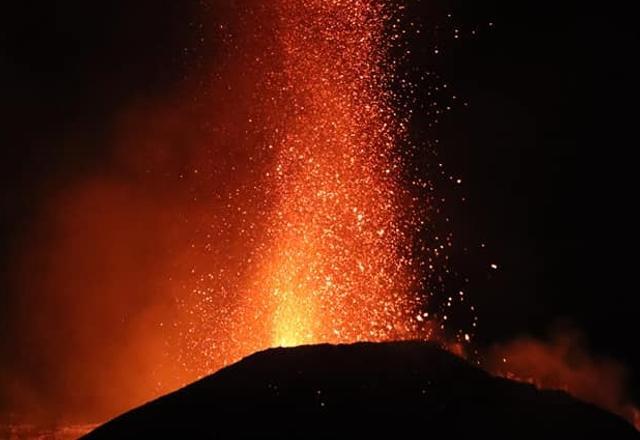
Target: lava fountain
335,266
259,204
332,259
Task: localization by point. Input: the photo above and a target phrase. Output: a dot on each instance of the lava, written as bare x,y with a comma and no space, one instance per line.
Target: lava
334,269
263,203
259,204
332,255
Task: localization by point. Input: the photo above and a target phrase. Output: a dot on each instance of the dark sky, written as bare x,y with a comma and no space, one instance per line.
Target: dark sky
545,148
546,152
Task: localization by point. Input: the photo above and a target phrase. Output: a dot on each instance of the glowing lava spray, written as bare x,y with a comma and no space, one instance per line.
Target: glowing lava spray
261,203
332,256
335,267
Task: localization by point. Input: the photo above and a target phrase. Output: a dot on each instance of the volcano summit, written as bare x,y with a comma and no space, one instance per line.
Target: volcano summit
364,390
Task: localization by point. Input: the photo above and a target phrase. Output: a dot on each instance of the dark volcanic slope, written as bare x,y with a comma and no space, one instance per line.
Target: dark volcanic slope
363,390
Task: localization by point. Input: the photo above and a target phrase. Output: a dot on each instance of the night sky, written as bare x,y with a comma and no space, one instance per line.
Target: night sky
545,147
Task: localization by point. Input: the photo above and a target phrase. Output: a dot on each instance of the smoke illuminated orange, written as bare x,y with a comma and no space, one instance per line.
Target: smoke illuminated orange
259,204
564,363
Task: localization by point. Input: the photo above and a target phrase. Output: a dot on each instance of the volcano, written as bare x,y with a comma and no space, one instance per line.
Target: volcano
362,390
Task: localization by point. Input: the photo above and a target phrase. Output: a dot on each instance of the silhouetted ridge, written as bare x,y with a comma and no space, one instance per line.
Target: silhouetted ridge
364,390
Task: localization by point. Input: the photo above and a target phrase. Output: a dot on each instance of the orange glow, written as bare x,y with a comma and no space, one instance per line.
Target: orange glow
260,204
564,364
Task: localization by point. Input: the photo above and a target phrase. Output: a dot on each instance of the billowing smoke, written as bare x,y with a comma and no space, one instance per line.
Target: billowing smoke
564,362
109,266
